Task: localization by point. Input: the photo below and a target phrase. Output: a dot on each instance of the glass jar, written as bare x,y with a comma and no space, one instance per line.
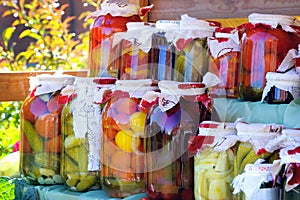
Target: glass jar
224,51
257,182
81,135
110,19
294,192
289,164
169,126
265,41
163,52
191,50
123,122
256,141
214,161
40,116
135,46
281,87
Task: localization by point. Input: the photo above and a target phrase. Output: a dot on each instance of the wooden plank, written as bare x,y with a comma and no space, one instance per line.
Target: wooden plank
14,86
202,9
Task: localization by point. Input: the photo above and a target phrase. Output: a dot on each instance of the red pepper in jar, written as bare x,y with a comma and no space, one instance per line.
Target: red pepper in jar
265,41
224,61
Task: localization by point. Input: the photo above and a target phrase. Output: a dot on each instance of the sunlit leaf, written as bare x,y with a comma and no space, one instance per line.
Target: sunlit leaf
24,33
83,15
64,6
15,23
28,6
25,54
21,3
68,20
35,36
7,12
6,34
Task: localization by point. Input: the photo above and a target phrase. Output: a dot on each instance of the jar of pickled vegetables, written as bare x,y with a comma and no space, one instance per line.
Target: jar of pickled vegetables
281,87
255,141
136,46
191,50
163,51
214,161
40,151
288,166
123,122
291,188
257,182
170,125
81,135
265,41
110,19
224,51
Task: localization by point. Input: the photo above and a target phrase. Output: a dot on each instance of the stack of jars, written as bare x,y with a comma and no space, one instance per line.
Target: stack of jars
130,126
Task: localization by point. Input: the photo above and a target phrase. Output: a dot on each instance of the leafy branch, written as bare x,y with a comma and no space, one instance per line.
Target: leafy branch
53,46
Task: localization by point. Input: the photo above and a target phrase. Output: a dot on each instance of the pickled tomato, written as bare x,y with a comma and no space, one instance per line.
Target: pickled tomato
137,122
126,141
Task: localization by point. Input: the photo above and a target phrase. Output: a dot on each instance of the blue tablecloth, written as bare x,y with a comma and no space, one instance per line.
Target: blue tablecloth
24,191
228,110
59,192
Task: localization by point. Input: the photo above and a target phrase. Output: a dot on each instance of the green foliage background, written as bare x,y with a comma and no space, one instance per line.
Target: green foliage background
52,47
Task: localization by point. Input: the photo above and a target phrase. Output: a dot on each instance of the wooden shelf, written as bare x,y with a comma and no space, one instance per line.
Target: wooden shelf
14,86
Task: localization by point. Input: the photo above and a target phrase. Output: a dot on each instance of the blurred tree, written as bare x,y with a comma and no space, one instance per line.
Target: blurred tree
44,29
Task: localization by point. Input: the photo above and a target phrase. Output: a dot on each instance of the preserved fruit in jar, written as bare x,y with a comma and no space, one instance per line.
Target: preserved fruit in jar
169,126
40,117
123,121
265,41
214,161
255,141
112,18
81,135
224,51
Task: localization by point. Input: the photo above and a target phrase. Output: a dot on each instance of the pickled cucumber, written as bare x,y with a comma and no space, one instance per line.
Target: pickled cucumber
77,154
86,182
71,141
47,160
72,179
35,141
67,119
